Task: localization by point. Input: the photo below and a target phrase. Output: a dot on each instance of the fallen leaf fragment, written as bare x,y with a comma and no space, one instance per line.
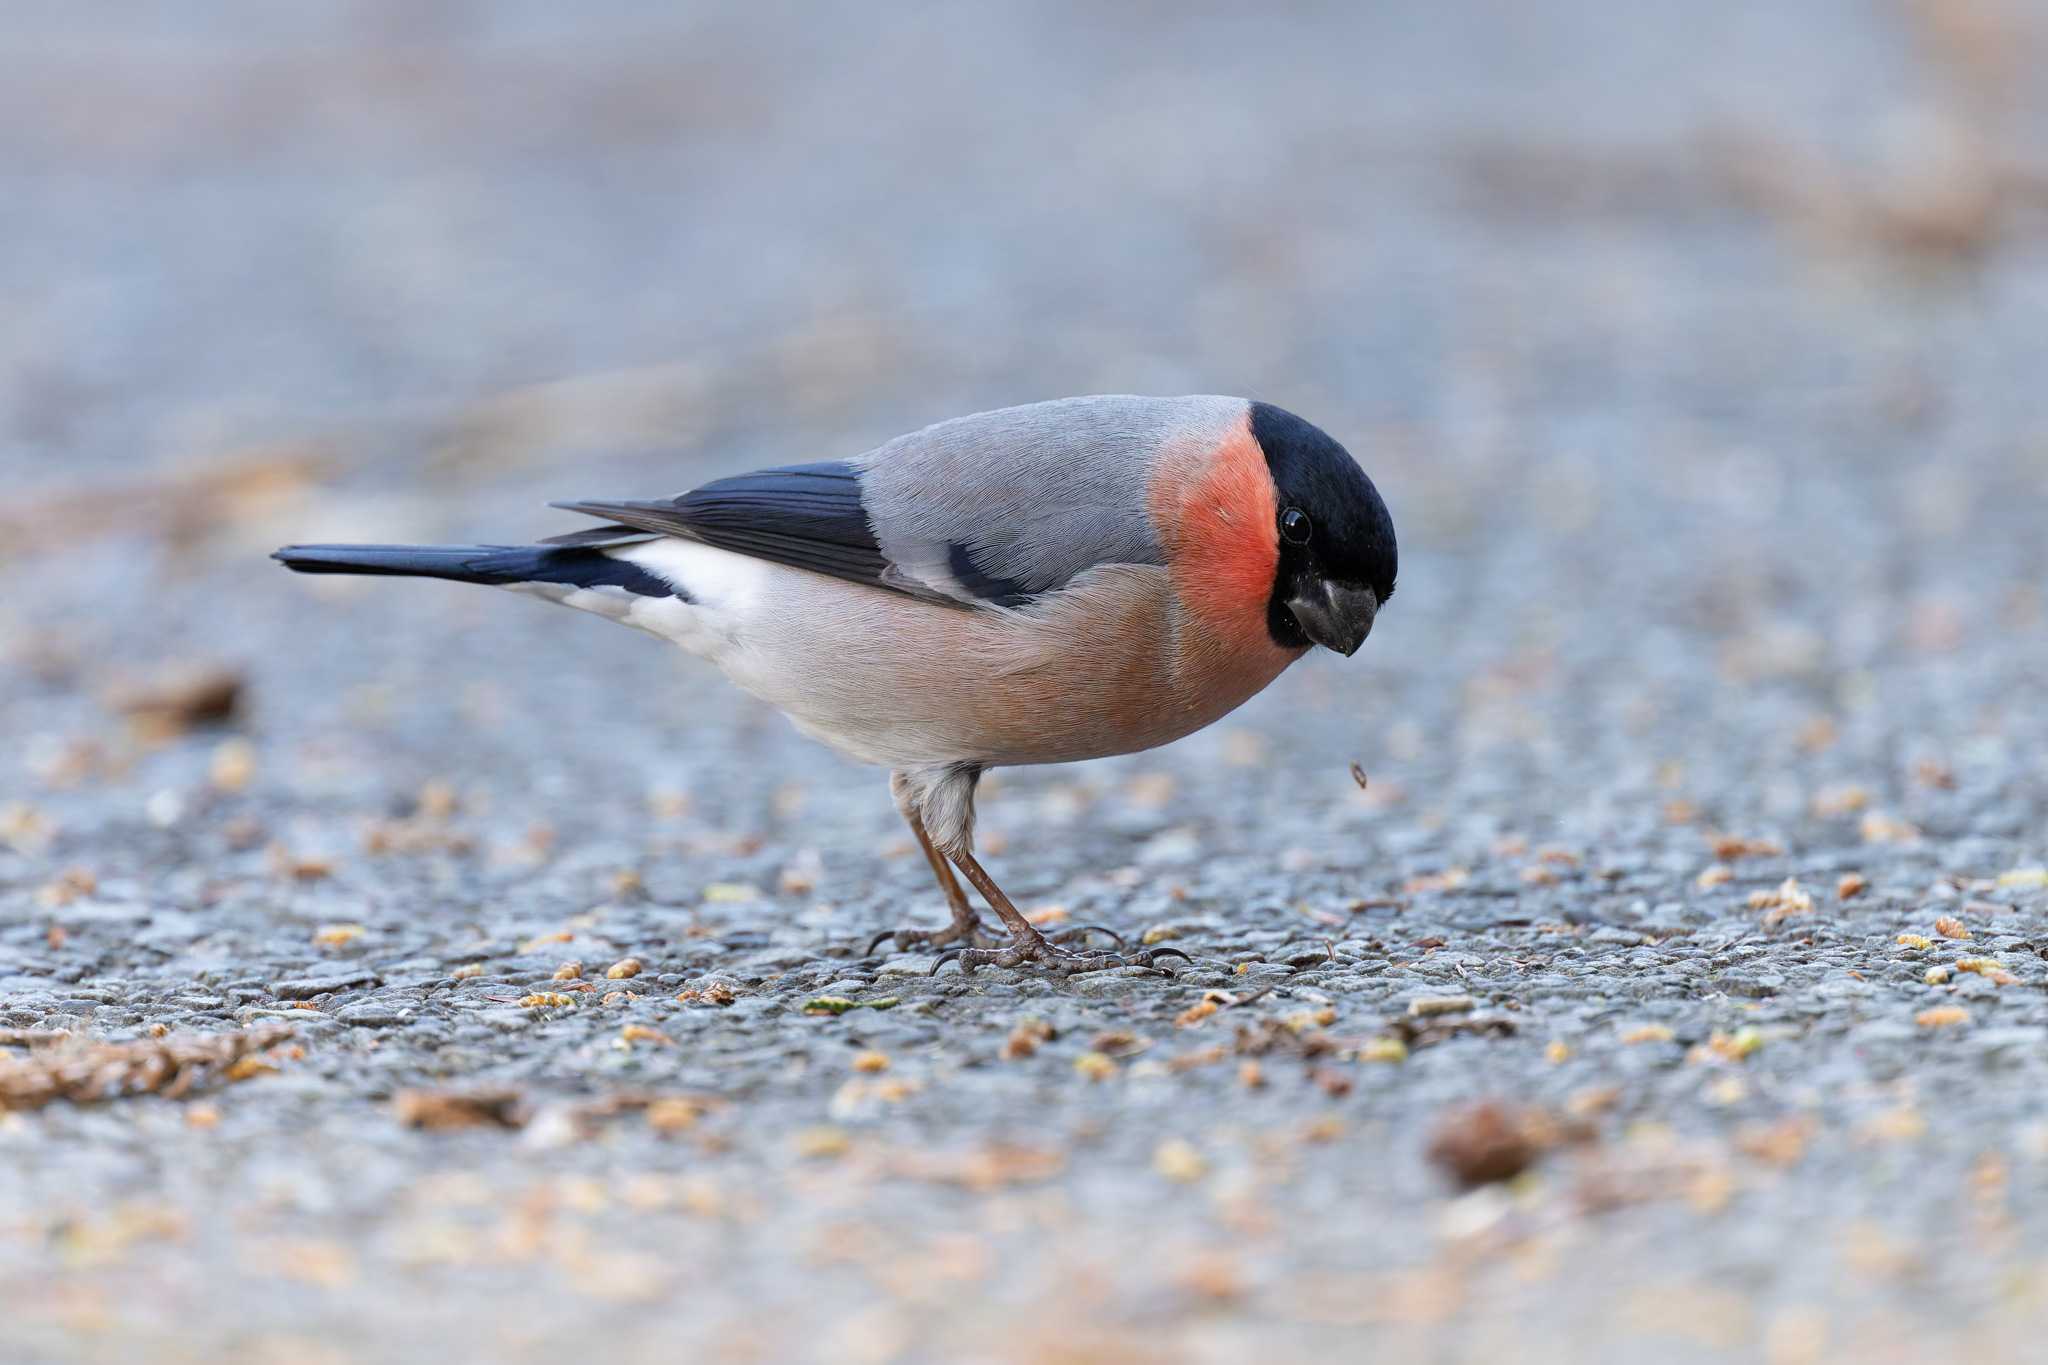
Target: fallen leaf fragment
180,700
442,1111
1488,1141
1729,847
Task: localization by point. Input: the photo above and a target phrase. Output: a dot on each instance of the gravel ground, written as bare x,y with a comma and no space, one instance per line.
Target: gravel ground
1698,357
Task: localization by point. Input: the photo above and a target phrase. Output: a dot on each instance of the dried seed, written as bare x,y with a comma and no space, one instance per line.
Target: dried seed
1948,926
641,1033
1178,1160
1942,1016
624,969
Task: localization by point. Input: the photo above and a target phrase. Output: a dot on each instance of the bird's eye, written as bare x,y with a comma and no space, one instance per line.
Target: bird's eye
1295,526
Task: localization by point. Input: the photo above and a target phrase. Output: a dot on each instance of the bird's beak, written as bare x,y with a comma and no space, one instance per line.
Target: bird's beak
1335,616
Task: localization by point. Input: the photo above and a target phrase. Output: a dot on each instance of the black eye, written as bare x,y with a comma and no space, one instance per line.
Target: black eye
1295,526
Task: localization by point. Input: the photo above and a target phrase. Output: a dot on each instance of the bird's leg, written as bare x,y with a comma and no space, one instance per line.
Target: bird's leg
1027,944
966,922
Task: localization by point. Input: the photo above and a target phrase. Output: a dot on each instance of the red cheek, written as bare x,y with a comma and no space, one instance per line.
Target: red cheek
1223,545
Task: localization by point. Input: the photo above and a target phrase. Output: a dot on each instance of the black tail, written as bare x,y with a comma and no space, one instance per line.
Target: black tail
495,564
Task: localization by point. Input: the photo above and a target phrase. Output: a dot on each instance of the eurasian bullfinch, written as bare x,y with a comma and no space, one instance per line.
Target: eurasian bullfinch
1039,584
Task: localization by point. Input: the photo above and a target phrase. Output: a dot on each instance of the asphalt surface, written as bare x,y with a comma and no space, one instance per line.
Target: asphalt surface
1698,359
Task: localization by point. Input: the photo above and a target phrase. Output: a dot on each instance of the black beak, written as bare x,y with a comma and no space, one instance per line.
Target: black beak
1335,616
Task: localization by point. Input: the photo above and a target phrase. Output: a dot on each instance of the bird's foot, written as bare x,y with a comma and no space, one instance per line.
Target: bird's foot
977,935
1046,953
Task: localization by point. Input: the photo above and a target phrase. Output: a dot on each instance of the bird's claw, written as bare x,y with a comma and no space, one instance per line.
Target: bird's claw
1059,961
907,939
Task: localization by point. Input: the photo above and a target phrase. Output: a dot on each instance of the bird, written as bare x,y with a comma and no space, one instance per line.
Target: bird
1046,583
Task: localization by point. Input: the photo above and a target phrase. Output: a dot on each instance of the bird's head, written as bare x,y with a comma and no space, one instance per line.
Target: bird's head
1337,557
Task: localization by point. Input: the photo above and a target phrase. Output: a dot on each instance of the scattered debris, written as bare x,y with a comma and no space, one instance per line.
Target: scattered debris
1948,926
86,1072
1481,1143
1177,1160
1883,829
337,935
181,699
1728,848
1025,1038
839,1004
1942,1016
441,1111
1787,900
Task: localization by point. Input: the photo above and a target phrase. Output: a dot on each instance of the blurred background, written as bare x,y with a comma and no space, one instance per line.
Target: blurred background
1697,349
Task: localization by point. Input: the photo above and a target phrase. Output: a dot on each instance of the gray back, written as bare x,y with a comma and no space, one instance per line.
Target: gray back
1002,505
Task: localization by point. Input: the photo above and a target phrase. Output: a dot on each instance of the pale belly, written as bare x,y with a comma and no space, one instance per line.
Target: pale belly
1111,666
